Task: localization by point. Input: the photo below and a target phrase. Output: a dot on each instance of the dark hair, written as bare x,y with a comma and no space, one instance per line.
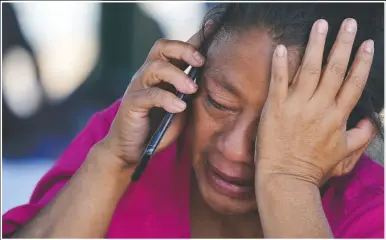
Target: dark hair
290,24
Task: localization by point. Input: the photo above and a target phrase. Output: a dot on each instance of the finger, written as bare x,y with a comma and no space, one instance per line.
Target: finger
155,97
159,71
338,59
172,49
309,74
359,136
196,40
348,163
356,80
279,77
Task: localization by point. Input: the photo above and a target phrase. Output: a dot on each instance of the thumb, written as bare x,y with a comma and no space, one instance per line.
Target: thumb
348,163
359,136
357,140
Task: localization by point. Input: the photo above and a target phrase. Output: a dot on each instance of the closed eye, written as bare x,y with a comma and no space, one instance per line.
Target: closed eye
216,105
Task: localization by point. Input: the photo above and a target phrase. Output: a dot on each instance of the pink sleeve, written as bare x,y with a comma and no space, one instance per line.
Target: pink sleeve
53,181
367,221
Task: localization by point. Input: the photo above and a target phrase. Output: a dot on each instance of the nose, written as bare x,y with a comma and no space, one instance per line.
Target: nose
237,142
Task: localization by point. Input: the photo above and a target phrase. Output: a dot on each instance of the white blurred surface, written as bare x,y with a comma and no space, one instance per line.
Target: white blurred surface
19,178
20,85
177,20
65,38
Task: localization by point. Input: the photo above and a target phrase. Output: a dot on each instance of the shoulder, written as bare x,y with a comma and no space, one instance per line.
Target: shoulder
354,204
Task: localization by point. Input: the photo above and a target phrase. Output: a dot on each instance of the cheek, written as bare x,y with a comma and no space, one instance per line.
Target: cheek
204,128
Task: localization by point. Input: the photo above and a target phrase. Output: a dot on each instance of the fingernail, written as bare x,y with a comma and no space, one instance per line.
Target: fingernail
350,25
322,26
179,104
192,85
197,56
369,46
280,51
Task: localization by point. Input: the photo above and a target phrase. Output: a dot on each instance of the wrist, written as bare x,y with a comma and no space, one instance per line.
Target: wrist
284,180
104,158
278,183
289,168
285,202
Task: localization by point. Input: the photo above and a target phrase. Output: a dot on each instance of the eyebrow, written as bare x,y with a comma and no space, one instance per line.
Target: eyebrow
220,80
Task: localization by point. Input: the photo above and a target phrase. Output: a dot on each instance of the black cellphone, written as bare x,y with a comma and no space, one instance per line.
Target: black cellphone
160,131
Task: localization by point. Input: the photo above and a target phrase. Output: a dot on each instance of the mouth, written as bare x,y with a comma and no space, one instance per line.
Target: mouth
230,186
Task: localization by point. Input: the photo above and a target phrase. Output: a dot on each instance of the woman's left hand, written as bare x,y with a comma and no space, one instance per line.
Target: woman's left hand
302,131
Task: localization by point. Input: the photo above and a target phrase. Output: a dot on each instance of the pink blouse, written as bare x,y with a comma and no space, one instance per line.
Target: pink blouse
158,206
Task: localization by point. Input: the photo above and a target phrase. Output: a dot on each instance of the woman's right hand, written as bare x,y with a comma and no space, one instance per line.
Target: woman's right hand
131,126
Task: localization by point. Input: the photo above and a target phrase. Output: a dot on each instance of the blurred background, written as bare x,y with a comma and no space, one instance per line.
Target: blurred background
62,62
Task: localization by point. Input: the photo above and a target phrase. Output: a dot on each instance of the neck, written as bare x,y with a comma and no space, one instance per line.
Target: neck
205,222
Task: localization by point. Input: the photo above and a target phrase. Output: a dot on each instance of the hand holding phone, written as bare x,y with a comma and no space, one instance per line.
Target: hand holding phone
129,132
159,133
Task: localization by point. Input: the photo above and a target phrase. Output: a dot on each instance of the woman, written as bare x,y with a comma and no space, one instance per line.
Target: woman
272,145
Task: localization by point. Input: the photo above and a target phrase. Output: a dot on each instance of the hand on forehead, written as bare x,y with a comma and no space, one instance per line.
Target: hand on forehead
247,55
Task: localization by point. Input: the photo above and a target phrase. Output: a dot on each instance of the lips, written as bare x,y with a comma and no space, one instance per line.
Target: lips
231,186
236,180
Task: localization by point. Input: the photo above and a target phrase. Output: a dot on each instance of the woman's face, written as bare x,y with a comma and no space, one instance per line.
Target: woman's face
226,115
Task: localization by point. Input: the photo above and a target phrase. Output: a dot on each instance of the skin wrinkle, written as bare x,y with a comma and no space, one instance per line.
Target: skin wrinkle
223,139
250,74
228,139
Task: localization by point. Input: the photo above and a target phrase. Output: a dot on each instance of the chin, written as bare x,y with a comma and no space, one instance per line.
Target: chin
230,207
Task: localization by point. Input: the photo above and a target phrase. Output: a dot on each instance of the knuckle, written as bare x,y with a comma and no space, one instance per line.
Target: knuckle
365,61
139,78
160,43
340,118
346,39
157,46
188,48
152,72
187,51
280,66
311,69
358,82
312,116
161,97
156,65
153,94
338,69
279,78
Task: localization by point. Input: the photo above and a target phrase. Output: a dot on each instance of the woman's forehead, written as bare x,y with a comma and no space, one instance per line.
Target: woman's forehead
249,54
242,63
245,49
254,42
